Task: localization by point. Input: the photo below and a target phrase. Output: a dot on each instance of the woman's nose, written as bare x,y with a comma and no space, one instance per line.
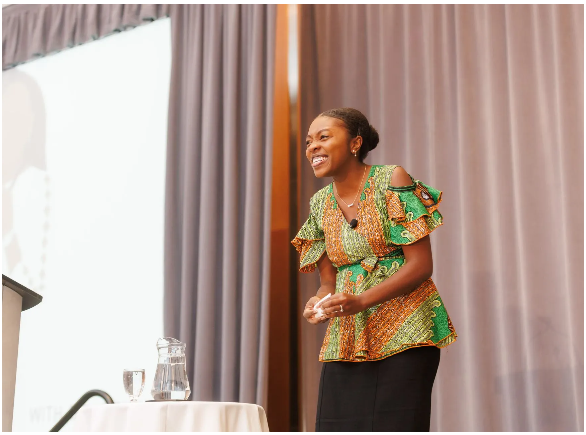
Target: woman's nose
312,147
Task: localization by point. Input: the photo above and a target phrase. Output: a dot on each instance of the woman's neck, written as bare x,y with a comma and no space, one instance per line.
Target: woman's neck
351,179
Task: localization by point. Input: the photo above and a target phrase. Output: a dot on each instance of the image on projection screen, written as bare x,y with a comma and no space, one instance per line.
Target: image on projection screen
83,171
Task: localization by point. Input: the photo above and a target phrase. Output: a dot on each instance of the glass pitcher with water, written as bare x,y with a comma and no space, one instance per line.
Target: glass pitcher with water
171,376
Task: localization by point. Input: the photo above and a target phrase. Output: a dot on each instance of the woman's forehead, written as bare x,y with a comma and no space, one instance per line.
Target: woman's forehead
324,122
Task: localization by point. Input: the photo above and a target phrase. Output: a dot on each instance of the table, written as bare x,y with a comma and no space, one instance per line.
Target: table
172,417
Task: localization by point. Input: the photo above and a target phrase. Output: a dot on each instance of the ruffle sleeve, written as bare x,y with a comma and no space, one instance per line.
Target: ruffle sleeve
412,212
310,243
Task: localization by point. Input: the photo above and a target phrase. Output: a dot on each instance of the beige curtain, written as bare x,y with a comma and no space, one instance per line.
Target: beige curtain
217,198
484,102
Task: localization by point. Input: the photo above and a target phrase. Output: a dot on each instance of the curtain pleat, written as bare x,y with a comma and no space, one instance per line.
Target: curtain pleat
217,217
485,102
32,31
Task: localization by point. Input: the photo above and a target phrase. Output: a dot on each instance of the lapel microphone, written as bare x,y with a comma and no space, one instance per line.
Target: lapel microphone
353,223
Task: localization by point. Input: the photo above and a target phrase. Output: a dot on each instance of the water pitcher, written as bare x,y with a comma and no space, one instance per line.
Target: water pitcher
171,376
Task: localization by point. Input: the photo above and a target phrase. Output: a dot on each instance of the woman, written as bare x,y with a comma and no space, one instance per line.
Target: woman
387,322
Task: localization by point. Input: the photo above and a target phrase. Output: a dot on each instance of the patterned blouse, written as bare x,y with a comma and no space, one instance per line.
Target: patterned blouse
388,217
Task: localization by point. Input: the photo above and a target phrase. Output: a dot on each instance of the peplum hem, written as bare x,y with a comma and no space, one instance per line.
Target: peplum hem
376,357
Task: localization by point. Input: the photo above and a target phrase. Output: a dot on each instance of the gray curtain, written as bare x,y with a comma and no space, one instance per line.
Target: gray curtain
484,102
32,31
217,215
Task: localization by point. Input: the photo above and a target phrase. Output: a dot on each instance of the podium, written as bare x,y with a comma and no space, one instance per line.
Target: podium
15,299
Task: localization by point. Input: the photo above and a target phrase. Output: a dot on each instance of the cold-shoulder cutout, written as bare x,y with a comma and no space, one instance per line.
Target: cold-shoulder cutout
400,177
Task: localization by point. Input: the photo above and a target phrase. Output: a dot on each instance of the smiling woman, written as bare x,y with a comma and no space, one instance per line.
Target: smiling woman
331,130
373,224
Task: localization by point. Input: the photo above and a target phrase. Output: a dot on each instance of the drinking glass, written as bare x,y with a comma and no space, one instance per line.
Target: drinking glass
133,383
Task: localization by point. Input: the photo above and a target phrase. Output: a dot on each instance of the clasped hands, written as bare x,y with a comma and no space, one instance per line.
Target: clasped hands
338,305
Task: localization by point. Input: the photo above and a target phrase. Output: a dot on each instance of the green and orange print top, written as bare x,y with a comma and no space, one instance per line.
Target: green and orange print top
388,218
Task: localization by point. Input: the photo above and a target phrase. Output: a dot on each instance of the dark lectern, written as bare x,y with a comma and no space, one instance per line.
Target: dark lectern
15,298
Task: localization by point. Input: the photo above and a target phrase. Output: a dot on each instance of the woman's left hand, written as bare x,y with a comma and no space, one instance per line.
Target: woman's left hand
343,304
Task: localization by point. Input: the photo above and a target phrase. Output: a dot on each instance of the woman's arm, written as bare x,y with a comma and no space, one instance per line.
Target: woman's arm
417,268
327,276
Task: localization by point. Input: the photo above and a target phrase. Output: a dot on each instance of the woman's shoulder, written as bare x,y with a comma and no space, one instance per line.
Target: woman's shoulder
392,175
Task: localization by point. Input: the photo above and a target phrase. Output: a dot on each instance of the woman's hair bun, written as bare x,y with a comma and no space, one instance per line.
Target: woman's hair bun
373,138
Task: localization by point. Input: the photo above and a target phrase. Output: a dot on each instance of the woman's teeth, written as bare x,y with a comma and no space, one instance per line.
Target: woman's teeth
318,160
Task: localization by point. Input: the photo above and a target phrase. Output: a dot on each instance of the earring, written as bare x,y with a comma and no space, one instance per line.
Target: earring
354,153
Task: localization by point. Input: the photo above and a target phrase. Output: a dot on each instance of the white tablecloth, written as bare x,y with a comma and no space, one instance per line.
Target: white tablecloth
172,417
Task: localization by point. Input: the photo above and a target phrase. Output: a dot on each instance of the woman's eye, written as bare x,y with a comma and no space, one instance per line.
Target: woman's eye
323,136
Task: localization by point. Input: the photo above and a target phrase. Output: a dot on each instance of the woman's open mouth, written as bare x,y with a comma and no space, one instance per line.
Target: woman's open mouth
318,161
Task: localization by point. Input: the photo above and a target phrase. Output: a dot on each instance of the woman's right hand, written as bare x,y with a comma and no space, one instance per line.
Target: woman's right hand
309,312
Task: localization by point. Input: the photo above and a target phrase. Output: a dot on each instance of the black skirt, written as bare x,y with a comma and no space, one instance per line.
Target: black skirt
392,394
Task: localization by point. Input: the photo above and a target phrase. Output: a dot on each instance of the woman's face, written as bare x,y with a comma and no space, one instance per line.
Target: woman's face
328,146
